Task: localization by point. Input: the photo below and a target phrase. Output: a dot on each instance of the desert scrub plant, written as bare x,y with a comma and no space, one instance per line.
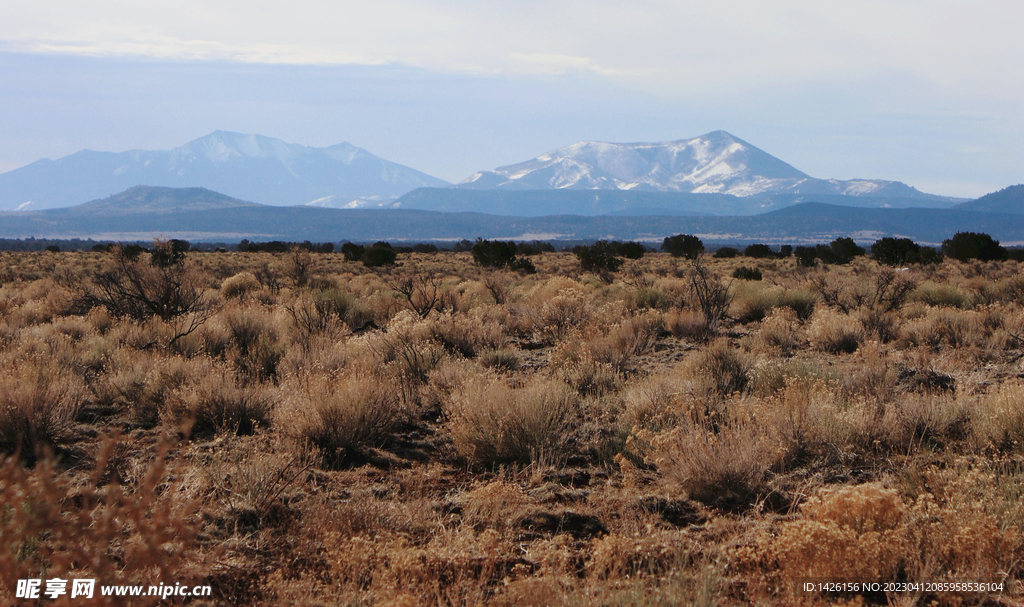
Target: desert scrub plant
653,403
710,295
800,301
166,286
217,404
752,301
340,416
848,531
573,363
942,294
834,333
239,285
778,334
121,535
562,312
38,406
725,467
255,347
719,369
625,341
466,334
505,359
687,324
492,423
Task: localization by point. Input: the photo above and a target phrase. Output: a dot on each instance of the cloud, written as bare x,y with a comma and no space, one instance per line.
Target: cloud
673,47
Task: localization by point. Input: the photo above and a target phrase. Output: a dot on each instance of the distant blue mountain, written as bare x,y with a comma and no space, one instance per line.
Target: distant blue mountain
1007,200
251,167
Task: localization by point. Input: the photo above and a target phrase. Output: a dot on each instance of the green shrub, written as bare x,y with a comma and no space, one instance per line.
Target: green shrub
758,251
972,245
380,254
683,245
598,257
745,273
726,253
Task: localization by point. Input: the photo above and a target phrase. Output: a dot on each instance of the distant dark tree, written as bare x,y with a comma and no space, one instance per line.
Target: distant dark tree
758,251
785,250
379,254
598,257
534,248
973,245
53,248
929,255
631,250
352,251
1016,254
895,251
825,253
745,273
683,245
524,265
463,246
131,252
325,247
424,247
844,250
806,256
726,252
100,248
496,254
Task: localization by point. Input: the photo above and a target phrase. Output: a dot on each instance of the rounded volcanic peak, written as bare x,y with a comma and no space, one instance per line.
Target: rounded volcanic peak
150,199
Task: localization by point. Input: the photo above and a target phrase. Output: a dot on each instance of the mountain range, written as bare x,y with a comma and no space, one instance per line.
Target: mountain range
251,167
714,174
144,212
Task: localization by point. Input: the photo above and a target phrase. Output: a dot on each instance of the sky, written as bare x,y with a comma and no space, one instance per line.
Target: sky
925,92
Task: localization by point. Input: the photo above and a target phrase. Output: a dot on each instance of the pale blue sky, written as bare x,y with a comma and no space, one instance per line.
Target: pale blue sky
925,92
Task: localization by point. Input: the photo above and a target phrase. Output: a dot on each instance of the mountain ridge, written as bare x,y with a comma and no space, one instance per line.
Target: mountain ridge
716,162
210,216
261,169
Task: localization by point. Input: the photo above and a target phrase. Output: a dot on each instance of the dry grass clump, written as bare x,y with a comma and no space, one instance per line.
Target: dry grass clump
719,369
725,466
626,340
466,334
849,532
341,416
753,301
778,332
835,333
654,403
687,324
942,294
216,403
573,363
493,423
239,285
505,359
254,345
38,406
999,420
96,529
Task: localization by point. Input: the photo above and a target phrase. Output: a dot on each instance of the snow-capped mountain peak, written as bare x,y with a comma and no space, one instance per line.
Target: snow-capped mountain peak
714,163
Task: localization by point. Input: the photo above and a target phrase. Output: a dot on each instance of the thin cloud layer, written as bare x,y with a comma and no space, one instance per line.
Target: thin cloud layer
667,46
